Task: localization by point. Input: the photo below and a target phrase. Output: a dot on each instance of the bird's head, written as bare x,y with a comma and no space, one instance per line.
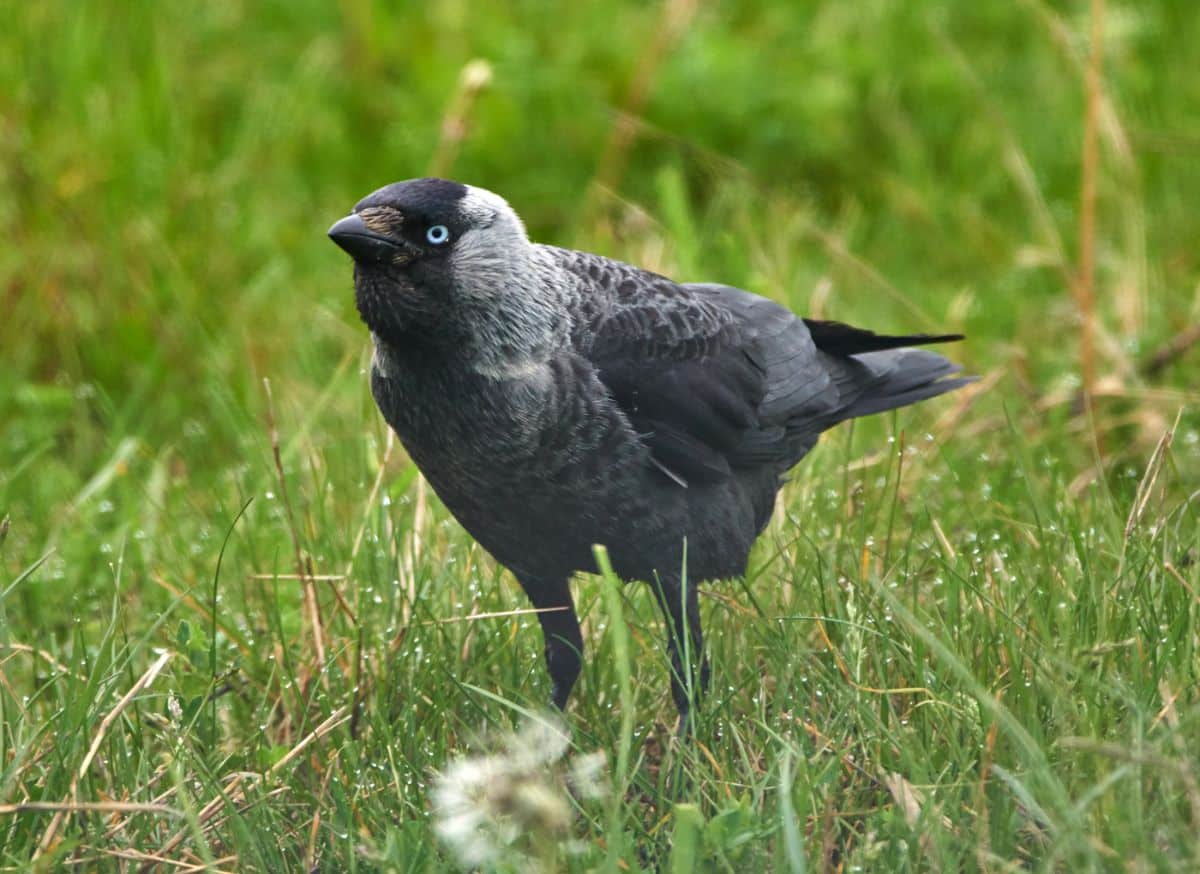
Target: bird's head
435,259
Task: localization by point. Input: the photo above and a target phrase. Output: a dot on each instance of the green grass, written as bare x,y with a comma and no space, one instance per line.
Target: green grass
969,640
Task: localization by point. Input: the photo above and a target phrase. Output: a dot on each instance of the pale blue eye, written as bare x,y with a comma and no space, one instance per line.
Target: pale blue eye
437,234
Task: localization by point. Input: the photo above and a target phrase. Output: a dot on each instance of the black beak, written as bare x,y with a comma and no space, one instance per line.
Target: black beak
362,243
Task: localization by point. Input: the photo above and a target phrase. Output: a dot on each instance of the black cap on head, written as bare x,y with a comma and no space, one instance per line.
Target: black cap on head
416,196
391,225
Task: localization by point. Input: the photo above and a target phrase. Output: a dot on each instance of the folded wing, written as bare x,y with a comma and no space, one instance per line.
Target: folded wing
717,380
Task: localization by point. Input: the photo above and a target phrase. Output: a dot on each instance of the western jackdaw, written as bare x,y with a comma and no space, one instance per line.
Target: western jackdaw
557,399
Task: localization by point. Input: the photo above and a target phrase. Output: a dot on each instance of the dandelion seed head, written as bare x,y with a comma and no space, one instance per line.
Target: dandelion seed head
515,804
542,741
587,776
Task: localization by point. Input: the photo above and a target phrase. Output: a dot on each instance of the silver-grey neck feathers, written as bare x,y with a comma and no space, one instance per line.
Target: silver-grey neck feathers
509,299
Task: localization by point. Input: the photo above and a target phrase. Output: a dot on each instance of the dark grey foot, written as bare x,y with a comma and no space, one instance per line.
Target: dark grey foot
560,630
685,645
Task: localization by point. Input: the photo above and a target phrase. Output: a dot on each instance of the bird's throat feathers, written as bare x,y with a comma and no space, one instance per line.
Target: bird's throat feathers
503,313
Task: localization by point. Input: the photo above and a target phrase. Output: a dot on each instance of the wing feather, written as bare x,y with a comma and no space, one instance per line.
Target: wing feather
696,378
716,379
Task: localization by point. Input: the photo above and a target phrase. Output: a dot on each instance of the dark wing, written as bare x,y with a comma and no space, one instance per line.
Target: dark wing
688,371
685,383
717,379
821,373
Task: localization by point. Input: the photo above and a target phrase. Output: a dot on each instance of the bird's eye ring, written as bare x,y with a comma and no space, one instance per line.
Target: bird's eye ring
437,234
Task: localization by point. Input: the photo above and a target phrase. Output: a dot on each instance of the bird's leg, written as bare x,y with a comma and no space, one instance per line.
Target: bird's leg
685,644
560,629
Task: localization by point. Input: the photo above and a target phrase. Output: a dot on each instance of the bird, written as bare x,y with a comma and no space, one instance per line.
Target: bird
557,399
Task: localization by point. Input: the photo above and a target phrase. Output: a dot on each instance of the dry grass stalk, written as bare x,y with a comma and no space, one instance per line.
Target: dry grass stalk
1146,486
372,497
39,653
475,76
89,807
312,607
1172,351
71,802
676,16
1085,276
178,866
233,793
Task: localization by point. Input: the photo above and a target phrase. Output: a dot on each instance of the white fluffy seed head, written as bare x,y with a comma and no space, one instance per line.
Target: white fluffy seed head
515,804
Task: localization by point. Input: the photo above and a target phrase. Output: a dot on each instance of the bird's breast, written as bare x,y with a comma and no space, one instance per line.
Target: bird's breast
520,461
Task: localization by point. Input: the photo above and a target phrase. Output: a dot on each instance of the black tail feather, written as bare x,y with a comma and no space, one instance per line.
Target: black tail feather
898,378
837,338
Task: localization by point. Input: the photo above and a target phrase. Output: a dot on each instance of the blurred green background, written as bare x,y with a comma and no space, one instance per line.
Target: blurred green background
168,171
167,174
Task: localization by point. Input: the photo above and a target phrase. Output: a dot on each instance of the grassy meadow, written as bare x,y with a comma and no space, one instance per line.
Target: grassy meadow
237,633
